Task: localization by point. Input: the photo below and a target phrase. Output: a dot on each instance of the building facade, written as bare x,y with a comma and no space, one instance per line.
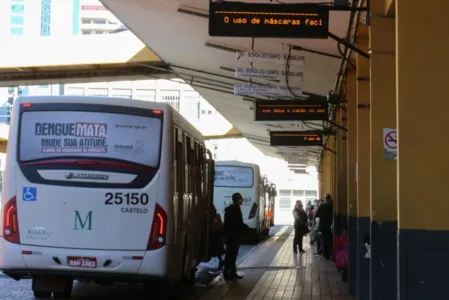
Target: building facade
26,17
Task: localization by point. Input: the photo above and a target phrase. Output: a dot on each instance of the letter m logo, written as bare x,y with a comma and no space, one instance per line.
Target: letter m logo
83,224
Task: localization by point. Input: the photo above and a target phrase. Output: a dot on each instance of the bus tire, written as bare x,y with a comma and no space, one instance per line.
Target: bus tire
255,238
41,295
62,295
266,232
66,291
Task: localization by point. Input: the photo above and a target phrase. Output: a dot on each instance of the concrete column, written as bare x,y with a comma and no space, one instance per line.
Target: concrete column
343,173
337,178
320,181
351,97
383,164
363,165
422,49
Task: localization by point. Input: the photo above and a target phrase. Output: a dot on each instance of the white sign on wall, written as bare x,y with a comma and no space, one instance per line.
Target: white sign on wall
266,90
266,74
297,60
390,140
295,150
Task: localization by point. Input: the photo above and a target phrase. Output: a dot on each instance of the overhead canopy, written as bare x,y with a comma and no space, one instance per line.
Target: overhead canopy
177,31
74,59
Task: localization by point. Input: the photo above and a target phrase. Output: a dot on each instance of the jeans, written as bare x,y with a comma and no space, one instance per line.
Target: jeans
232,250
297,241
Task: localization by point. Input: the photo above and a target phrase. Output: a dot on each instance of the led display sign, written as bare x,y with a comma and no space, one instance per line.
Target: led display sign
295,138
239,19
290,110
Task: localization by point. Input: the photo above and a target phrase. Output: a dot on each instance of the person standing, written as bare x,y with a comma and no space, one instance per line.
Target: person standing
216,234
300,225
234,229
326,215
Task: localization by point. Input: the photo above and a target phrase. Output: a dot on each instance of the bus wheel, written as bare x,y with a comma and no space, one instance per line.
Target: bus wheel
175,290
255,238
189,278
41,295
62,295
266,232
66,290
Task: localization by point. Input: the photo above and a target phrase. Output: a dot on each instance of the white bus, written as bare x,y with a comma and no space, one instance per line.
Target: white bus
105,190
244,178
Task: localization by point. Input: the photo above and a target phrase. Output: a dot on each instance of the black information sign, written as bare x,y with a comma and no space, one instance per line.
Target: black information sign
295,138
290,110
238,19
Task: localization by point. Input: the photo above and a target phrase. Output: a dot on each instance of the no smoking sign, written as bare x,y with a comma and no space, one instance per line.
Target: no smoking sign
390,143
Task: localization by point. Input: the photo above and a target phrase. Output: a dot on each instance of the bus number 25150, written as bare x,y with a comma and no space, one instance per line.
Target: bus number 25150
126,199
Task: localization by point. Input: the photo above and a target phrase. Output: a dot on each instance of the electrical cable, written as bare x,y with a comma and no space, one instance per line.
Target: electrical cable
343,56
287,70
306,124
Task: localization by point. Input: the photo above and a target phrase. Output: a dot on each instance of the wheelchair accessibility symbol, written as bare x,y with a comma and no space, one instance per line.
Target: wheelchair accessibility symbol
29,194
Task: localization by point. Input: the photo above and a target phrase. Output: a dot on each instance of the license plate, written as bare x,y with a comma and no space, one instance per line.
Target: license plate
82,262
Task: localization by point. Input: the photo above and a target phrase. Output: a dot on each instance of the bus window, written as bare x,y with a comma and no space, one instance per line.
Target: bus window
233,176
53,134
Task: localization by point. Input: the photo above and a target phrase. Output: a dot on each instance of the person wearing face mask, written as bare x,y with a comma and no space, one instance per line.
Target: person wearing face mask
300,225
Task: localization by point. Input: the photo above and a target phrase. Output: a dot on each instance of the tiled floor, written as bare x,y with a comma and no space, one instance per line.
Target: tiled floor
272,271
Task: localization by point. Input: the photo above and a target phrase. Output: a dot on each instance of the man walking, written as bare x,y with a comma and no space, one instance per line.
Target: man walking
234,229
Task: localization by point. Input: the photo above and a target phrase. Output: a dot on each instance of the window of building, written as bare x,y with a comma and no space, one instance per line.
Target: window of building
17,8
285,192
209,112
285,203
97,92
310,193
76,17
99,21
298,193
203,112
190,105
16,31
148,95
170,97
16,20
75,91
45,17
122,93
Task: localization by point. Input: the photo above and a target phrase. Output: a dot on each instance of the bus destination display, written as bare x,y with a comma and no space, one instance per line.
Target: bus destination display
238,19
295,138
290,110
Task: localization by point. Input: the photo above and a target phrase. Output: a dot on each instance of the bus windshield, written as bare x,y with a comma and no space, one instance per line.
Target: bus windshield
89,134
234,176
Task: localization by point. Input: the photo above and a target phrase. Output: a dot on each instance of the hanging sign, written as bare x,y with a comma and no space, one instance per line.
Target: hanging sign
296,60
291,150
295,138
290,110
266,74
239,19
266,90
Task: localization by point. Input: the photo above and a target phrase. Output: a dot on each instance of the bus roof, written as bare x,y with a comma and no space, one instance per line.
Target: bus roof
91,100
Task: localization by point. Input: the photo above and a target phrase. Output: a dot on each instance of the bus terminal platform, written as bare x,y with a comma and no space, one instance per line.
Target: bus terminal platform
271,271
